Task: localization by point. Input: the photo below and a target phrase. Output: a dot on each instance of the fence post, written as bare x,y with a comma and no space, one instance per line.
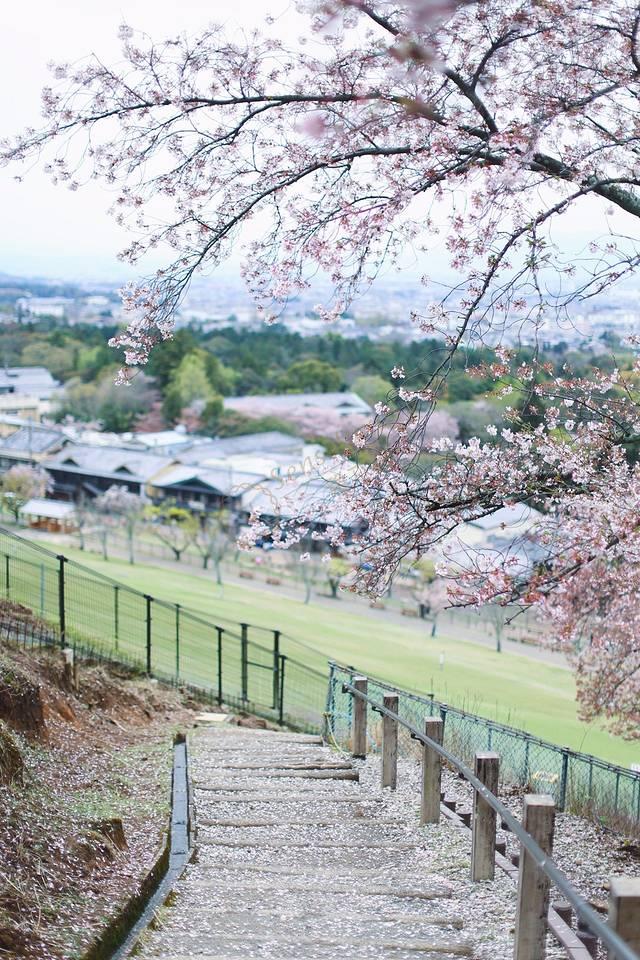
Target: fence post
244,658
359,720
116,613
42,589
62,612
483,846
220,632
525,772
276,667
177,641
624,910
390,742
281,692
533,886
328,714
6,575
148,599
431,772
564,772
443,717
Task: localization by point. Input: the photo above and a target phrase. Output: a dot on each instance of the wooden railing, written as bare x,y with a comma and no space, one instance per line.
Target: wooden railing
536,870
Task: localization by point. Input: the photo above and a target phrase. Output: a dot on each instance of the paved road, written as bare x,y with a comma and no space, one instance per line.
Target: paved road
299,855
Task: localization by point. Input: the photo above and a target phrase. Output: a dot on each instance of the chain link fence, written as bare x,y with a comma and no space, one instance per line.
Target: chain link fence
72,606
578,782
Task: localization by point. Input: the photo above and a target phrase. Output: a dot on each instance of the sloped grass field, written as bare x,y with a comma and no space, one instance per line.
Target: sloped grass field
519,690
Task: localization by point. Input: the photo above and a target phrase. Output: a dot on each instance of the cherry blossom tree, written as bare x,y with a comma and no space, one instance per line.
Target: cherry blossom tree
123,509
19,484
479,127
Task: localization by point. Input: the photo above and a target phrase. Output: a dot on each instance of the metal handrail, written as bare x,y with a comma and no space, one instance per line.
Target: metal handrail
614,943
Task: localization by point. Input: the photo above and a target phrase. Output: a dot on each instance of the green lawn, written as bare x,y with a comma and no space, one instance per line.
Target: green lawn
519,690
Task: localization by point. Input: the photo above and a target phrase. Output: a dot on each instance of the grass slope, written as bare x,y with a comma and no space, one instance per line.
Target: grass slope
527,693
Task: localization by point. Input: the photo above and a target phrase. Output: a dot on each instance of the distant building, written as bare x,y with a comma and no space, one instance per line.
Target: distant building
26,392
31,443
288,404
202,489
80,470
50,515
509,531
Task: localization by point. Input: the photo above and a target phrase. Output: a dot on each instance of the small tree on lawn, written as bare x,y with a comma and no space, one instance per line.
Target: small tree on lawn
426,573
172,525
124,509
19,484
304,567
84,513
212,541
337,568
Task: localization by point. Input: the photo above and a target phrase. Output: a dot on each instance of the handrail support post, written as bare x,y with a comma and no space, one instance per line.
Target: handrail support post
624,910
533,884
390,742
359,720
483,846
431,772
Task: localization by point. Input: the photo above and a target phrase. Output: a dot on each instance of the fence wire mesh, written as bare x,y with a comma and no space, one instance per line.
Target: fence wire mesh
68,604
578,782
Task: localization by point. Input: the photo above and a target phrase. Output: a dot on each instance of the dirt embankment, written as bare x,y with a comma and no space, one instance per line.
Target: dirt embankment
84,794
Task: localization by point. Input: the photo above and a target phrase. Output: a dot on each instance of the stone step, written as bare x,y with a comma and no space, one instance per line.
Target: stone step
277,765
234,735
326,788
292,884
329,875
212,795
245,946
286,844
308,774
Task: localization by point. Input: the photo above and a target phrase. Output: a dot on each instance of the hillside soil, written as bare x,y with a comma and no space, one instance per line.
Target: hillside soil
85,779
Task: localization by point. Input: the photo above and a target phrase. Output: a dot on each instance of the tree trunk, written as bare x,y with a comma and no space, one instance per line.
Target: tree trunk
217,566
205,561
177,554
334,584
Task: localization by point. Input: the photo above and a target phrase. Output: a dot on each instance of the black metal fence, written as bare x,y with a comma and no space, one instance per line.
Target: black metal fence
245,666
238,663
578,782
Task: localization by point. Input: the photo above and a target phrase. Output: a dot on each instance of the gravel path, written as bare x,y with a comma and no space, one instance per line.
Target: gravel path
297,857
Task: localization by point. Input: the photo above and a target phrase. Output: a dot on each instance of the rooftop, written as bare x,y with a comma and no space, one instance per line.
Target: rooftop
49,509
32,438
28,381
293,402
116,462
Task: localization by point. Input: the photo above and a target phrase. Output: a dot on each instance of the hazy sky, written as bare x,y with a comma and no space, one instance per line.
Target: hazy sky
49,230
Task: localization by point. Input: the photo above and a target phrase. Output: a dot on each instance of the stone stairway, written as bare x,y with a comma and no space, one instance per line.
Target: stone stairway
300,854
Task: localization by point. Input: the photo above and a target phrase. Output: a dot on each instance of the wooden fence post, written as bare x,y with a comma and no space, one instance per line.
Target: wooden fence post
624,910
533,886
431,772
483,846
359,720
390,743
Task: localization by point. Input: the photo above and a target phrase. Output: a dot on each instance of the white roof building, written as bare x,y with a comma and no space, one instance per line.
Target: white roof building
45,509
285,404
28,381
